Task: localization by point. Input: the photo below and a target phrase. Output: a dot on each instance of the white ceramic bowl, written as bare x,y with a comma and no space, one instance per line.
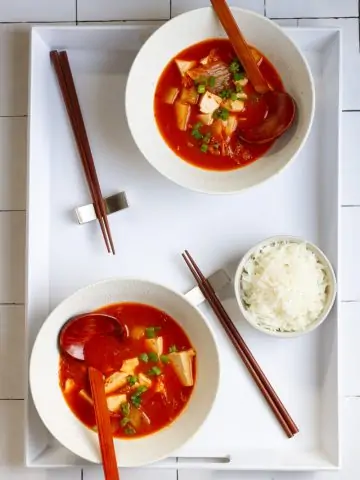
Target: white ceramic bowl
63,424
184,31
321,258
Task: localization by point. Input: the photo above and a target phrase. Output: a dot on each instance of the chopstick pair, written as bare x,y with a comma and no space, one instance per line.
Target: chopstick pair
243,350
62,68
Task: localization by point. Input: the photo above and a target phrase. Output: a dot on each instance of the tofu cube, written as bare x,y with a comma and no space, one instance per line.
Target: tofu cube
209,103
155,345
129,365
182,365
114,402
115,381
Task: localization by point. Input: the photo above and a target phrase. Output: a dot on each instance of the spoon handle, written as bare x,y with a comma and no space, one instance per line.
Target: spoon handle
240,46
110,468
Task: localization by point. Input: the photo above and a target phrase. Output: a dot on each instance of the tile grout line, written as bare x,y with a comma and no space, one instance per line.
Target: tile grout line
14,116
12,399
170,8
161,19
76,12
359,25
343,205
39,22
312,18
64,22
143,20
8,304
265,8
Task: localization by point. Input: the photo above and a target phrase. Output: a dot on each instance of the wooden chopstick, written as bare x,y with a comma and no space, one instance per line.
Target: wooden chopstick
55,58
104,426
253,367
63,72
240,46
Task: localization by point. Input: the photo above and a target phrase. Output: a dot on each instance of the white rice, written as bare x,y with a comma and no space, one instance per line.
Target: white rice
284,287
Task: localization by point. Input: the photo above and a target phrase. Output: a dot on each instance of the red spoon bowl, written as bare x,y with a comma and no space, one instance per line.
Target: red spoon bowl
280,117
80,329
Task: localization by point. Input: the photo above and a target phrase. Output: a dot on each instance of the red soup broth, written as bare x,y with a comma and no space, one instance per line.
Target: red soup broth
215,146
144,407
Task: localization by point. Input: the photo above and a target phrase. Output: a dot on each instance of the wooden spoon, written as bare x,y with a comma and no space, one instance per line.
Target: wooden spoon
282,107
92,337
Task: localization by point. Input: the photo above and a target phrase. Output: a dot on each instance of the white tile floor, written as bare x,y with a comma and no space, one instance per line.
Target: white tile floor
13,111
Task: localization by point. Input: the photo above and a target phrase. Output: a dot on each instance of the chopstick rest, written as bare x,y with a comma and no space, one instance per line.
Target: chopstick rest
114,203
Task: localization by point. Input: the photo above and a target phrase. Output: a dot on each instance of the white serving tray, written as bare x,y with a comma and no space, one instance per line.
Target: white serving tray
163,220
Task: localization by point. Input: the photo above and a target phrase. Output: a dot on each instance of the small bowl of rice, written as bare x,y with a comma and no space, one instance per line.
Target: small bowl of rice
285,286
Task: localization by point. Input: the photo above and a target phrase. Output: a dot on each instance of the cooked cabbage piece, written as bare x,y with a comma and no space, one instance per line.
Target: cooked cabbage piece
205,118
189,95
182,113
170,95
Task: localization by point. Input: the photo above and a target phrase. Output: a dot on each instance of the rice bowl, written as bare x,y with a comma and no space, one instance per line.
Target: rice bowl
285,286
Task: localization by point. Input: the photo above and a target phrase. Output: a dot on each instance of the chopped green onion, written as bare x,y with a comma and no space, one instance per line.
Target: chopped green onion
234,66
239,88
221,113
196,134
125,409
207,138
129,430
225,93
150,332
144,357
136,398
195,131
154,371
201,88
233,96
124,421
141,390
173,349
211,81
238,76
153,357
204,148
164,358
132,379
